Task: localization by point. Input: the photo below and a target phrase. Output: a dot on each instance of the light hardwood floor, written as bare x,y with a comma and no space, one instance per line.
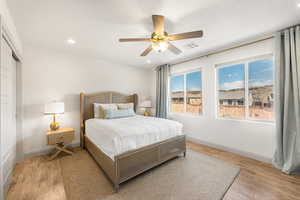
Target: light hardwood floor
41,179
257,180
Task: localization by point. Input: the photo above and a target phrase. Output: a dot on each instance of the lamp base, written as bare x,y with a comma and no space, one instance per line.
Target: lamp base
146,113
54,126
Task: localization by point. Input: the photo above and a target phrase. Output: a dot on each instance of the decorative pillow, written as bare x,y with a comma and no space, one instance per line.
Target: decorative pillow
112,114
99,109
125,106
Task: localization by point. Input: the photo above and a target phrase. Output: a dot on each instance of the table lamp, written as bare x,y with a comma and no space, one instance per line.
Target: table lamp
146,104
53,109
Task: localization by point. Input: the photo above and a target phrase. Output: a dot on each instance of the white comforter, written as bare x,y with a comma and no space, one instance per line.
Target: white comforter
116,136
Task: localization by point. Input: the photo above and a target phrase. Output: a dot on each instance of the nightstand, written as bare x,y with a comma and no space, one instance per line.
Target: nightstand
60,139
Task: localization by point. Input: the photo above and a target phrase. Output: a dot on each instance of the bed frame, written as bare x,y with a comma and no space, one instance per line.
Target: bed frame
132,163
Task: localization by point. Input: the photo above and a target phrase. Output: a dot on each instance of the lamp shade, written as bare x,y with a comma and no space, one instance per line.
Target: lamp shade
146,104
54,108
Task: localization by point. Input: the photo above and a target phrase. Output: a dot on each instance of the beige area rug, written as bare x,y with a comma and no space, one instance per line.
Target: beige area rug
195,177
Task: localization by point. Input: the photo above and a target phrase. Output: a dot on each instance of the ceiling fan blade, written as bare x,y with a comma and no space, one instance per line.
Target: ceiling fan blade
174,49
188,35
158,23
135,40
147,51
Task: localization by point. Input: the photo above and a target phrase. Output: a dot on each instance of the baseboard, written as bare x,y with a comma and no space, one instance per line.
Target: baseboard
46,151
232,150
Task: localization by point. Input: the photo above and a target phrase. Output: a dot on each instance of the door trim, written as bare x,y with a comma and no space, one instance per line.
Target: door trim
8,37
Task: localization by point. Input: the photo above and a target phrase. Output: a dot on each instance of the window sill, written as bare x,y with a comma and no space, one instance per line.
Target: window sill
248,120
186,114
272,123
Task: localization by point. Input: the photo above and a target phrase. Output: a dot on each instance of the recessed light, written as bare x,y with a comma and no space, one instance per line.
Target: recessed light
298,5
148,61
71,41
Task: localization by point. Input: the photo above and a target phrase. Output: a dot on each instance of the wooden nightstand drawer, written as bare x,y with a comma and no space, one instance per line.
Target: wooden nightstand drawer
60,136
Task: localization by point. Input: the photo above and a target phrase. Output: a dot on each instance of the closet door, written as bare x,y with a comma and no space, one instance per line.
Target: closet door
8,111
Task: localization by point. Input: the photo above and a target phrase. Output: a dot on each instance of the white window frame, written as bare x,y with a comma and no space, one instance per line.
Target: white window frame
245,62
184,73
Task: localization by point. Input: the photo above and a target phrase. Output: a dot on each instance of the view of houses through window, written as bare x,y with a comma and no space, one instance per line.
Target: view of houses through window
232,91
186,93
246,90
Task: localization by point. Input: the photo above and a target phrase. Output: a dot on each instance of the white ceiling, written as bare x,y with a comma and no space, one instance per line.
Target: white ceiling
96,25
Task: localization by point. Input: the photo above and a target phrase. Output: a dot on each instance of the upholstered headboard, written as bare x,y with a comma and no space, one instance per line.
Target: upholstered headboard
87,108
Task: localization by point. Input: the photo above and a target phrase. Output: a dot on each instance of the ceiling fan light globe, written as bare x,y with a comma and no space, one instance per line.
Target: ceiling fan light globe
160,46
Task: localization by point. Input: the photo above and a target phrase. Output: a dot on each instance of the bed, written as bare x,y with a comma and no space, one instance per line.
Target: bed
127,147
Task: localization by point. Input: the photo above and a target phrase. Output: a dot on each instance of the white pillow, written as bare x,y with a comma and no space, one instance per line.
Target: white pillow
97,106
125,106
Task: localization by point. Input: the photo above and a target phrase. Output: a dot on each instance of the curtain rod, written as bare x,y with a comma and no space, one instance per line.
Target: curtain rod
224,50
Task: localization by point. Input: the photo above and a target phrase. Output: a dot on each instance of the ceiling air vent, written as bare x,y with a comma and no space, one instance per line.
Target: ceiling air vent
191,45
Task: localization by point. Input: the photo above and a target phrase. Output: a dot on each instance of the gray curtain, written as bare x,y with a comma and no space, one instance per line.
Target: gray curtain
287,154
162,73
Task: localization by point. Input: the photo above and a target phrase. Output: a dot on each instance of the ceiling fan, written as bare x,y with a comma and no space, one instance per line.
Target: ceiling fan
160,40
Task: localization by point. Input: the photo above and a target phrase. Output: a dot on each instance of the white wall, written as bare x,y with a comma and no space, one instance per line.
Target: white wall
253,139
50,75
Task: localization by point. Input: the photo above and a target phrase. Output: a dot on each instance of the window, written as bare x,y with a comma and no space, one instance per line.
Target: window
177,94
232,91
245,90
261,89
186,93
193,93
